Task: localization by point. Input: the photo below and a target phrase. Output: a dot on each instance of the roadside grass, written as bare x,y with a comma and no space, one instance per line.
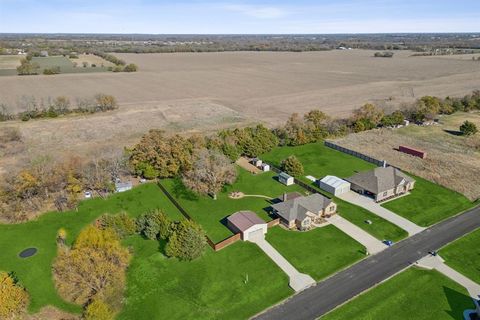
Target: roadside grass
319,252
35,272
464,255
214,286
429,203
413,294
212,214
319,160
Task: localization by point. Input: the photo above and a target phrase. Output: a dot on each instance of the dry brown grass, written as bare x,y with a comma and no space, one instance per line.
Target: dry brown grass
10,61
453,161
92,59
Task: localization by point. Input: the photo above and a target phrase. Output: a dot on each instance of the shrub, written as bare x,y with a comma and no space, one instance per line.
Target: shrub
187,241
121,223
13,298
98,310
468,128
130,68
154,225
292,166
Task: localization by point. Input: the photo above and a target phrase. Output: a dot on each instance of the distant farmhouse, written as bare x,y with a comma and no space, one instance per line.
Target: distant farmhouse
301,212
381,183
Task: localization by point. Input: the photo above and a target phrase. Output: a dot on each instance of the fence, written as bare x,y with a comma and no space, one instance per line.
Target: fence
273,223
380,163
226,242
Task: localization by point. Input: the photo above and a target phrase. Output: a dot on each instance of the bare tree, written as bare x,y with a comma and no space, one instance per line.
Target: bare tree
210,172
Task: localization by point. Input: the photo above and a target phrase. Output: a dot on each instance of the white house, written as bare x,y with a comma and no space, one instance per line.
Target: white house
248,224
286,179
334,185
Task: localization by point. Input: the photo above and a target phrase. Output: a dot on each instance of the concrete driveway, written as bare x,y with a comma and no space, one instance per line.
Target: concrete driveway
298,281
372,244
372,206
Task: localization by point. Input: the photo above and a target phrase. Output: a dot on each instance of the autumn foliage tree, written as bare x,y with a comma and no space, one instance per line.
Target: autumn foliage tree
13,297
98,310
211,170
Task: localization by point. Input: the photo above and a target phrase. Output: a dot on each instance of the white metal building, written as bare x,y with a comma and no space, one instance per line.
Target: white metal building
334,185
286,179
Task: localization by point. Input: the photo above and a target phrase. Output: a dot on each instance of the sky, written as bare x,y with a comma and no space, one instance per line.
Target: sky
238,17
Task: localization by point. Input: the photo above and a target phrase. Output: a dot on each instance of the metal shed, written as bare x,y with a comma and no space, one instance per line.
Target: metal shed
334,185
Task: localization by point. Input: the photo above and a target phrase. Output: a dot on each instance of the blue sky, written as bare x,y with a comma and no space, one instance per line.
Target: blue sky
226,17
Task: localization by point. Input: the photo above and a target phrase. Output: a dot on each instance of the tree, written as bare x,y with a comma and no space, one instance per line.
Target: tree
93,268
468,128
394,119
98,310
13,298
27,67
187,242
368,112
121,223
292,166
154,225
130,68
211,171
295,131
316,122
105,102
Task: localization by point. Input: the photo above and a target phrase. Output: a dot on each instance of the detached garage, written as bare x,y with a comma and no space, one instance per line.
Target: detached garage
334,185
248,224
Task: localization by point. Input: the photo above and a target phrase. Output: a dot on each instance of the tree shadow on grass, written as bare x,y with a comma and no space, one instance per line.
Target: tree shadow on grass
180,191
458,302
453,132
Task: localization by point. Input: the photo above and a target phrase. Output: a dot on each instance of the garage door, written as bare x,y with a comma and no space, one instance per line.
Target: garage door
256,235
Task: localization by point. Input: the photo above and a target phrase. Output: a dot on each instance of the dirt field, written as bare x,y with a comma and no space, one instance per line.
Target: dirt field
452,160
204,91
91,59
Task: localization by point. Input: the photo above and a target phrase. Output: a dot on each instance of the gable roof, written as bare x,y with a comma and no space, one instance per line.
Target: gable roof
243,220
297,208
380,179
284,175
334,181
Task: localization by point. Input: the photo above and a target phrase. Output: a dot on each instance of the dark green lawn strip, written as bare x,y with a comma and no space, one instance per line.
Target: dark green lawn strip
464,255
413,294
211,214
319,252
212,287
429,203
35,272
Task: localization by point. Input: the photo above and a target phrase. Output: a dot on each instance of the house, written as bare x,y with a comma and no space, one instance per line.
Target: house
123,186
286,179
334,185
301,212
265,167
248,224
381,183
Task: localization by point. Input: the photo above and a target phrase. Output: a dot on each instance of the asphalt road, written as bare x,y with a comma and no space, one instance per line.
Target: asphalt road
345,285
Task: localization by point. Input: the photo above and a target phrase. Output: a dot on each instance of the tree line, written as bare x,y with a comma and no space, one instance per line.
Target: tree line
60,106
120,65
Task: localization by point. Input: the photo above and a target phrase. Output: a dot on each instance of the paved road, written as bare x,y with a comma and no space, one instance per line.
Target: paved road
326,295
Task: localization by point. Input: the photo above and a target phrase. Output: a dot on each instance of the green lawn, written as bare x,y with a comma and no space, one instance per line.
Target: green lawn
429,203
319,160
212,287
35,272
464,255
413,294
380,228
319,252
66,66
211,214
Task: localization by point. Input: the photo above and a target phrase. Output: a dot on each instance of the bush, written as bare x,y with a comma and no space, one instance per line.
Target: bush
121,223
154,225
98,310
292,166
468,128
130,68
13,298
187,241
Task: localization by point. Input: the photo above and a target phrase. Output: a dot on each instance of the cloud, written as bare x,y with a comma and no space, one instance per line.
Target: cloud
260,12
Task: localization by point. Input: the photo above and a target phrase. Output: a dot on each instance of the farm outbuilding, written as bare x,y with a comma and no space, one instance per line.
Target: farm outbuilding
265,167
248,224
334,185
286,179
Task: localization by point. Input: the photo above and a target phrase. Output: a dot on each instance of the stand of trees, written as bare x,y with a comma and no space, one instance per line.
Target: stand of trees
120,65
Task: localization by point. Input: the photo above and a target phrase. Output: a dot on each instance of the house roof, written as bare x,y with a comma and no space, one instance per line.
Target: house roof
121,185
380,179
297,208
243,220
289,196
334,181
284,175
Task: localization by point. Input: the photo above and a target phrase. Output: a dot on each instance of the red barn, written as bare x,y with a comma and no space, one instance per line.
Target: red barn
413,152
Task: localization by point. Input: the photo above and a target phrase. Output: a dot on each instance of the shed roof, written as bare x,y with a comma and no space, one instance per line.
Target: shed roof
243,220
284,175
333,181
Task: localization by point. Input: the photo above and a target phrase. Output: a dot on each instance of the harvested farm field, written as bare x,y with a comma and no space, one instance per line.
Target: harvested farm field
198,92
452,160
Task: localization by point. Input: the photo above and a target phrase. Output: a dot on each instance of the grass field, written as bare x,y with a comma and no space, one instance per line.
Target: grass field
9,64
211,214
413,294
35,272
319,252
319,160
91,59
464,255
212,287
429,203
66,66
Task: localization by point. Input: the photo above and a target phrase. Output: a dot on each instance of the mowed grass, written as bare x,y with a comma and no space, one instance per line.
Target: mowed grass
35,272
464,255
429,203
211,214
413,294
319,160
234,283
319,252
66,66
